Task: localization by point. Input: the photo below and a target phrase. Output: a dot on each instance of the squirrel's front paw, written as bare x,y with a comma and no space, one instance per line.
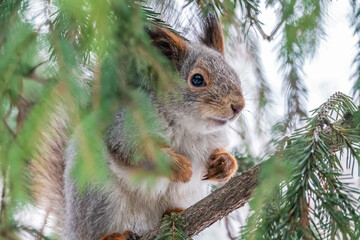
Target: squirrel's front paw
181,168
222,165
127,235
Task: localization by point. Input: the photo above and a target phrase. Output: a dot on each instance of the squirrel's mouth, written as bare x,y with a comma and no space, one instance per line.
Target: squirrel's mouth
218,121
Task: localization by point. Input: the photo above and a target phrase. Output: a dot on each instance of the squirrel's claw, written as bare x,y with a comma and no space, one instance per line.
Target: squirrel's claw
221,167
131,235
127,235
205,177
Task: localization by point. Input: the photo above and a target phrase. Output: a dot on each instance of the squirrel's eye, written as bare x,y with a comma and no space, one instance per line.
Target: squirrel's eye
198,80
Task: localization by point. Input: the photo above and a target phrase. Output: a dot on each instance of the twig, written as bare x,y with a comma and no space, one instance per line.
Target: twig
274,31
238,132
12,133
2,205
31,73
36,66
24,106
262,32
4,119
255,20
40,233
259,28
31,231
227,222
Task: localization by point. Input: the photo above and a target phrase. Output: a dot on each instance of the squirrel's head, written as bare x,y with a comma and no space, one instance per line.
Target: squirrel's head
212,96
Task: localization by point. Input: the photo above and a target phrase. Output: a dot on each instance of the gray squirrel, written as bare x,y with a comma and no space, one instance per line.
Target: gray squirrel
196,128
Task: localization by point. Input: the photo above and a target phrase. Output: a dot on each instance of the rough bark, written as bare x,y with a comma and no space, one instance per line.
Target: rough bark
218,204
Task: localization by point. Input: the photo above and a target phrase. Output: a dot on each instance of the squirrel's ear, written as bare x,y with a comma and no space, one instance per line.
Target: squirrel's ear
170,44
213,35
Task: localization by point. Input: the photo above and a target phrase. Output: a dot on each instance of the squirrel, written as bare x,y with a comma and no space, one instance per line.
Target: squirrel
196,126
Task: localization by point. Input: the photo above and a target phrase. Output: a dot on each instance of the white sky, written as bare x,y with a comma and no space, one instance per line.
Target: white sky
329,71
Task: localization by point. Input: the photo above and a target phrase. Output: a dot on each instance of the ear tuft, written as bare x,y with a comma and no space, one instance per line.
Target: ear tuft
213,36
170,44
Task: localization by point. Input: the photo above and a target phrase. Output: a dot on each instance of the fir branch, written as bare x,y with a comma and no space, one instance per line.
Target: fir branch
154,18
290,213
312,202
172,228
226,9
300,39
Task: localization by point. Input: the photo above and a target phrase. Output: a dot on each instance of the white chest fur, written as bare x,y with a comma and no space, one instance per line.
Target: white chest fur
197,147
147,205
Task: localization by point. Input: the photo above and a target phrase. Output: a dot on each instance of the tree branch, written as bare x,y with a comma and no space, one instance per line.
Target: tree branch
228,198
217,205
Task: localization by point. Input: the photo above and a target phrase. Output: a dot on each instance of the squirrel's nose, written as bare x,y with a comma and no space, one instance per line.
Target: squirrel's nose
238,106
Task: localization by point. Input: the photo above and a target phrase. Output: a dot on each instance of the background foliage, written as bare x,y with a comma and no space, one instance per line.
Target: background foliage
92,57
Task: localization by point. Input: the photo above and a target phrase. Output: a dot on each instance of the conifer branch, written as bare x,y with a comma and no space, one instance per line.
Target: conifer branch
233,195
